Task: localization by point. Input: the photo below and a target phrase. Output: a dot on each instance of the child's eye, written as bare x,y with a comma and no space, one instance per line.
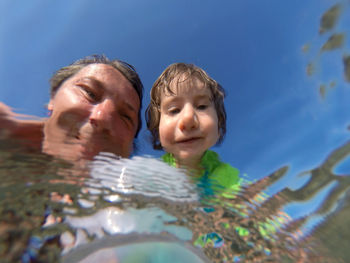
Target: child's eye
173,111
202,106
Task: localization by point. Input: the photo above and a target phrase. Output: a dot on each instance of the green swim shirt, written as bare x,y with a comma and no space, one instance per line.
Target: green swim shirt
216,175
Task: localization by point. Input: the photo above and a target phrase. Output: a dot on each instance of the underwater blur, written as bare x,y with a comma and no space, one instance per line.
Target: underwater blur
112,209
128,210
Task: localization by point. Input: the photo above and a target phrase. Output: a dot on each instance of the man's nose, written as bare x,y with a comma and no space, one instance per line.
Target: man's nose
188,118
101,117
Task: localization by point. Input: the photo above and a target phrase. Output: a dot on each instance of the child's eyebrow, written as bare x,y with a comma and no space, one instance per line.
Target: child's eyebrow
170,98
175,97
203,96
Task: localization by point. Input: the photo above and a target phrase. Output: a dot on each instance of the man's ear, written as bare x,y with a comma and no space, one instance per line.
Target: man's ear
50,105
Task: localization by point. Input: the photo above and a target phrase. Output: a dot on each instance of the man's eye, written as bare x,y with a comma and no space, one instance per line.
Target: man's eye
127,117
90,93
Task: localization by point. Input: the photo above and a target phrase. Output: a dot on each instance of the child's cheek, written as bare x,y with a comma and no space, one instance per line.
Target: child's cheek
166,131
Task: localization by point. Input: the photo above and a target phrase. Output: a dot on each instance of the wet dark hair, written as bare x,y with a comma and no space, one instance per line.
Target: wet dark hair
162,85
126,69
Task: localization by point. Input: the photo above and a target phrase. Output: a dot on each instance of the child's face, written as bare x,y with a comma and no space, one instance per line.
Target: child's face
188,121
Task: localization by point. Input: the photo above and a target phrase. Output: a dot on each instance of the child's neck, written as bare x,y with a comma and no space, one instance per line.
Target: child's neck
193,165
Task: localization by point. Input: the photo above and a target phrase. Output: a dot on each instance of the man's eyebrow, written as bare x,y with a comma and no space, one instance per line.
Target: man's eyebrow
93,81
100,85
130,107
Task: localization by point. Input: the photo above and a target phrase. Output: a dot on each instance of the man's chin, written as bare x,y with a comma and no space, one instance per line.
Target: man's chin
75,151
70,152
89,154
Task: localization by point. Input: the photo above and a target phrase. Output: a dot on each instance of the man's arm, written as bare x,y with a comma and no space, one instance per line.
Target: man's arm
28,132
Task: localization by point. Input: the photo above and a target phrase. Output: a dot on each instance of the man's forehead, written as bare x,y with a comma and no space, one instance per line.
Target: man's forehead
100,69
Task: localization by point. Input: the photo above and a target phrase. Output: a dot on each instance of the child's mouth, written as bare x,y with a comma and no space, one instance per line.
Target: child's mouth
189,140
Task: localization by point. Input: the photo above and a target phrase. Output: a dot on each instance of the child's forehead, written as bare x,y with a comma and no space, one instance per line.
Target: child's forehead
184,84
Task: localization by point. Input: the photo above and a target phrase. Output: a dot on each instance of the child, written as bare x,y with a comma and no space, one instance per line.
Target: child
186,117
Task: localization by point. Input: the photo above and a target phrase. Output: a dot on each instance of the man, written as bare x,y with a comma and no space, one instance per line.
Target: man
94,107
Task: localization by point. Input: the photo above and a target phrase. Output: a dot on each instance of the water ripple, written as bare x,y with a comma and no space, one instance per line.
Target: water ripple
141,175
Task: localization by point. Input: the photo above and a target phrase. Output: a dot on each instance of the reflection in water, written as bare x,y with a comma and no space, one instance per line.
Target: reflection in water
49,207
281,239
25,191
321,177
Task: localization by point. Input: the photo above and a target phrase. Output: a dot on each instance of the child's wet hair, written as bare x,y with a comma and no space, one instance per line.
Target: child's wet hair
162,84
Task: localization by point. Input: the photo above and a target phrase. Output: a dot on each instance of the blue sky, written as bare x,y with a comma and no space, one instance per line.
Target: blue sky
276,115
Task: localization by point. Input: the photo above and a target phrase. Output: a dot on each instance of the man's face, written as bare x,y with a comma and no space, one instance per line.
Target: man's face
96,110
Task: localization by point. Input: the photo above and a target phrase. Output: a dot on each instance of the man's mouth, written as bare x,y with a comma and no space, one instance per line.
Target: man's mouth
91,143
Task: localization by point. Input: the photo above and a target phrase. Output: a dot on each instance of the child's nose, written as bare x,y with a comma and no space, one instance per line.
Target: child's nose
188,119
101,117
